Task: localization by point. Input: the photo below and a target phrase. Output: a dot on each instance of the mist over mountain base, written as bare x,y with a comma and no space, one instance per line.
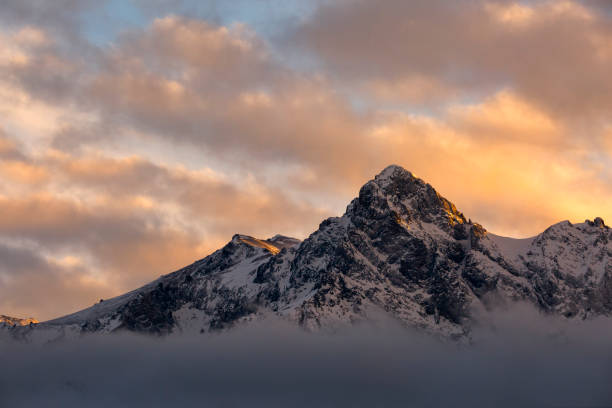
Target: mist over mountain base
518,358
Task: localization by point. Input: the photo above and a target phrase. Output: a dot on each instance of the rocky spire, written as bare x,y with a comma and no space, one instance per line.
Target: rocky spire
396,192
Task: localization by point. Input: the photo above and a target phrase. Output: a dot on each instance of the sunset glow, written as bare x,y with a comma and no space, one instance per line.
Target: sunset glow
137,138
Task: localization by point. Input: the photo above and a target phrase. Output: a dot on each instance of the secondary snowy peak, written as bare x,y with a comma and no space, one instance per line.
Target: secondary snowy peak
282,241
273,245
15,321
257,243
215,290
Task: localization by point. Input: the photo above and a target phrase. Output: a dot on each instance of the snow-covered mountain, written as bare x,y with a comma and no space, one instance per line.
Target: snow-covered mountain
400,250
15,321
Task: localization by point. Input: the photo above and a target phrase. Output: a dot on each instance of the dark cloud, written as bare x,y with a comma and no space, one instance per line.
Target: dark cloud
9,149
31,283
474,46
17,260
129,245
64,19
42,13
121,258
603,5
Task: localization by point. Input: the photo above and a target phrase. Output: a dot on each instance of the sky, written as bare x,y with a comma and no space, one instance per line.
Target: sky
138,136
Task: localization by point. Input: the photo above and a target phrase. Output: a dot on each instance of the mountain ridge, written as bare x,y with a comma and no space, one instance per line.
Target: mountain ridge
400,248
16,321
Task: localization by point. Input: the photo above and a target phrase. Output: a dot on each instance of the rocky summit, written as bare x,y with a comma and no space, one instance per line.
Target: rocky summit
401,250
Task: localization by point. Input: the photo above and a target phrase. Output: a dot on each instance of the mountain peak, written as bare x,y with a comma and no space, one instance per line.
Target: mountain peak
597,222
400,247
273,245
283,241
391,172
397,192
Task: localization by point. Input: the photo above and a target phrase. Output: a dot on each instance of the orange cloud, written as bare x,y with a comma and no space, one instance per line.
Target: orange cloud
504,118
21,172
414,89
127,220
514,181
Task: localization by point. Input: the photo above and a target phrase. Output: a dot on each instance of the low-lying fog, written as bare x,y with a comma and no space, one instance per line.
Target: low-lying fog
526,360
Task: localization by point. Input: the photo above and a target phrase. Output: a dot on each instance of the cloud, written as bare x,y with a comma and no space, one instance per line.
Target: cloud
8,148
212,87
114,232
524,360
31,283
505,118
129,220
230,98
520,176
412,89
145,153
123,245
202,194
61,13
530,47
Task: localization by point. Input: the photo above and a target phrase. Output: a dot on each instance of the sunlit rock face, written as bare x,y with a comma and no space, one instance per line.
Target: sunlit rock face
400,250
15,321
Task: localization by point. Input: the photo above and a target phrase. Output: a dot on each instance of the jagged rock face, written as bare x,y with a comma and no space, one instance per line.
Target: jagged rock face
393,250
569,266
400,249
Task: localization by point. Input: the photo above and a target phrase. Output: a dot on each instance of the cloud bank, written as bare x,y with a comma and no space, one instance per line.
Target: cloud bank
135,154
525,360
